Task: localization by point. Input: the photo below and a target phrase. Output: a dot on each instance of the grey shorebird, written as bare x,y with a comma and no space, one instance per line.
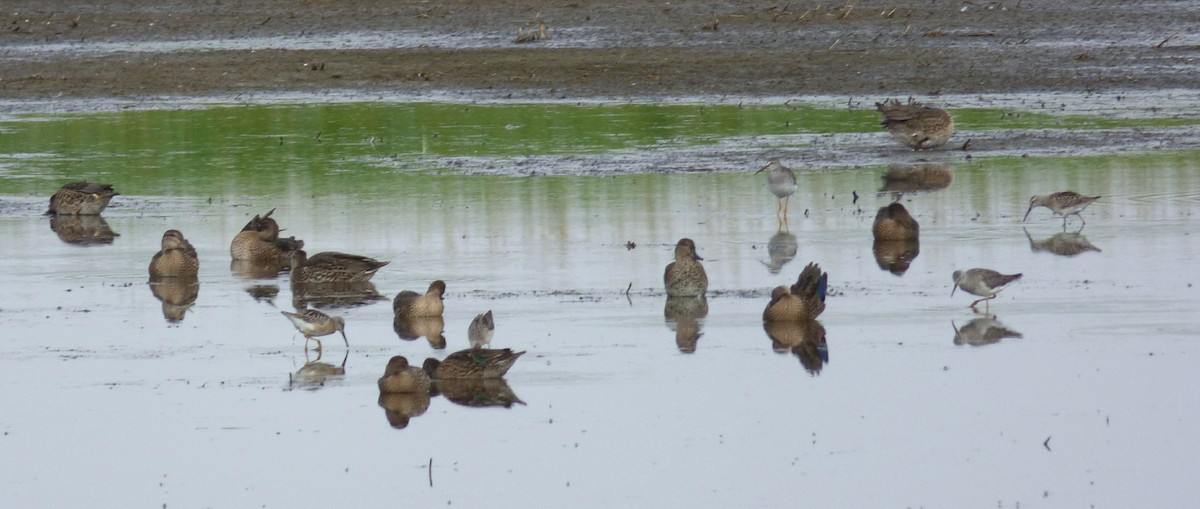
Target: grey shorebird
1063,204
916,125
479,333
984,283
781,181
313,323
685,277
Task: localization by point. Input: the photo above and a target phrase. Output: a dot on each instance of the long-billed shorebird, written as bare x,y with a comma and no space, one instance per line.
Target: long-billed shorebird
984,283
312,323
479,333
781,181
685,277
916,125
1063,204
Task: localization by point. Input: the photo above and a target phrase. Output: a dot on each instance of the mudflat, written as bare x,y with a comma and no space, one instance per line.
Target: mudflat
56,49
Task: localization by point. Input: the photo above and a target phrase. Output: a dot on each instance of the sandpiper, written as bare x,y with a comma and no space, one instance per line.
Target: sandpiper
893,222
81,199
472,363
916,125
804,300
400,377
1063,204
333,267
984,283
781,181
312,323
481,329
177,258
685,276
410,304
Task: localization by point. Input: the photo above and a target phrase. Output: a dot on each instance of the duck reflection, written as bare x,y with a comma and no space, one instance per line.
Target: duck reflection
334,295
82,230
250,269
982,331
263,293
1062,244
476,392
903,178
428,327
782,249
895,256
683,315
398,408
177,295
313,374
804,339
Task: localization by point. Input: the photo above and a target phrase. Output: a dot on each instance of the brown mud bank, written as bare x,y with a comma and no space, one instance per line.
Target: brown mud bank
58,49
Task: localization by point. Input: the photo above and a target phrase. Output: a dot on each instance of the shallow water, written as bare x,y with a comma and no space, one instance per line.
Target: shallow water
548,223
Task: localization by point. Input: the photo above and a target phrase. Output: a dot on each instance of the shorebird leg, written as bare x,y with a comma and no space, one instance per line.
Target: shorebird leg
785,205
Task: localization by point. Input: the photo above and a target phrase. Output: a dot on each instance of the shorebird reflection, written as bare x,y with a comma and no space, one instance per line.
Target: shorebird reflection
1062,244
782,249
982,331
313,374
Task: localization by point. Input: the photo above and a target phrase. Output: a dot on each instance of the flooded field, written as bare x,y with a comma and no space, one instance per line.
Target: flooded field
1071,391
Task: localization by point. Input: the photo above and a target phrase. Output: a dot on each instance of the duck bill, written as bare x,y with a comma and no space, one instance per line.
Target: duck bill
697,257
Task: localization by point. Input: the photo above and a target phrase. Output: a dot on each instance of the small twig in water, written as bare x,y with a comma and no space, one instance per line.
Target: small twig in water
630,287
318,136
1046,444
430,471
1164,41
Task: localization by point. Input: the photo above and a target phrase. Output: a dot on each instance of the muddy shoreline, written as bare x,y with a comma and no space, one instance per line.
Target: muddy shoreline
73,51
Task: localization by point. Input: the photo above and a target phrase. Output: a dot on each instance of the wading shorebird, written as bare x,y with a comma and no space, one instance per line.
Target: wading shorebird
685,277
177,258
472,363
916,125
81,199
259,242
984,283
333,267
804,300
481,329
400,377
410,304
893,222
781,181
1063,204
312,323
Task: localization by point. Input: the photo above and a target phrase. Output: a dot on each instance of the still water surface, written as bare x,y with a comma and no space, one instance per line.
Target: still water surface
1084,402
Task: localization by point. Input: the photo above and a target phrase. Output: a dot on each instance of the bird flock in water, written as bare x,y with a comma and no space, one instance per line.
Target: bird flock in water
260,245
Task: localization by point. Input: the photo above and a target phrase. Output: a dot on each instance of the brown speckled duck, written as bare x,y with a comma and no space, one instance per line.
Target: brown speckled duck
259,242
893,222
177,258
333,267
410,304
400,377
916,125
804,300
473,363
81,198
685,277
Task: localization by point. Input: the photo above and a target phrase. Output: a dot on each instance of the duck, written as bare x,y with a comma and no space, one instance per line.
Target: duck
259,242
400,377
177,258
893,222
81,199
410,304
472,363
333,267
685,277
916,125
804,300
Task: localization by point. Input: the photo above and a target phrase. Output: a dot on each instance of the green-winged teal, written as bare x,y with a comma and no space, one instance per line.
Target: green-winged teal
81,198
259,242
804,300
781,181
916,125
893,222
984,283
410,304
685,276
177,258
480,331
473,363
1063,204
333,267
400,377
312,323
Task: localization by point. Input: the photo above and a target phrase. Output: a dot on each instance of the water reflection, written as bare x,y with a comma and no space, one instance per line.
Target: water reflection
313,374
177,295
982,331
82,230
895,256
781,249
249,269
334,295
804,339
400,407
1061,244
477,392
263,293
683,315
428,327
903,178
